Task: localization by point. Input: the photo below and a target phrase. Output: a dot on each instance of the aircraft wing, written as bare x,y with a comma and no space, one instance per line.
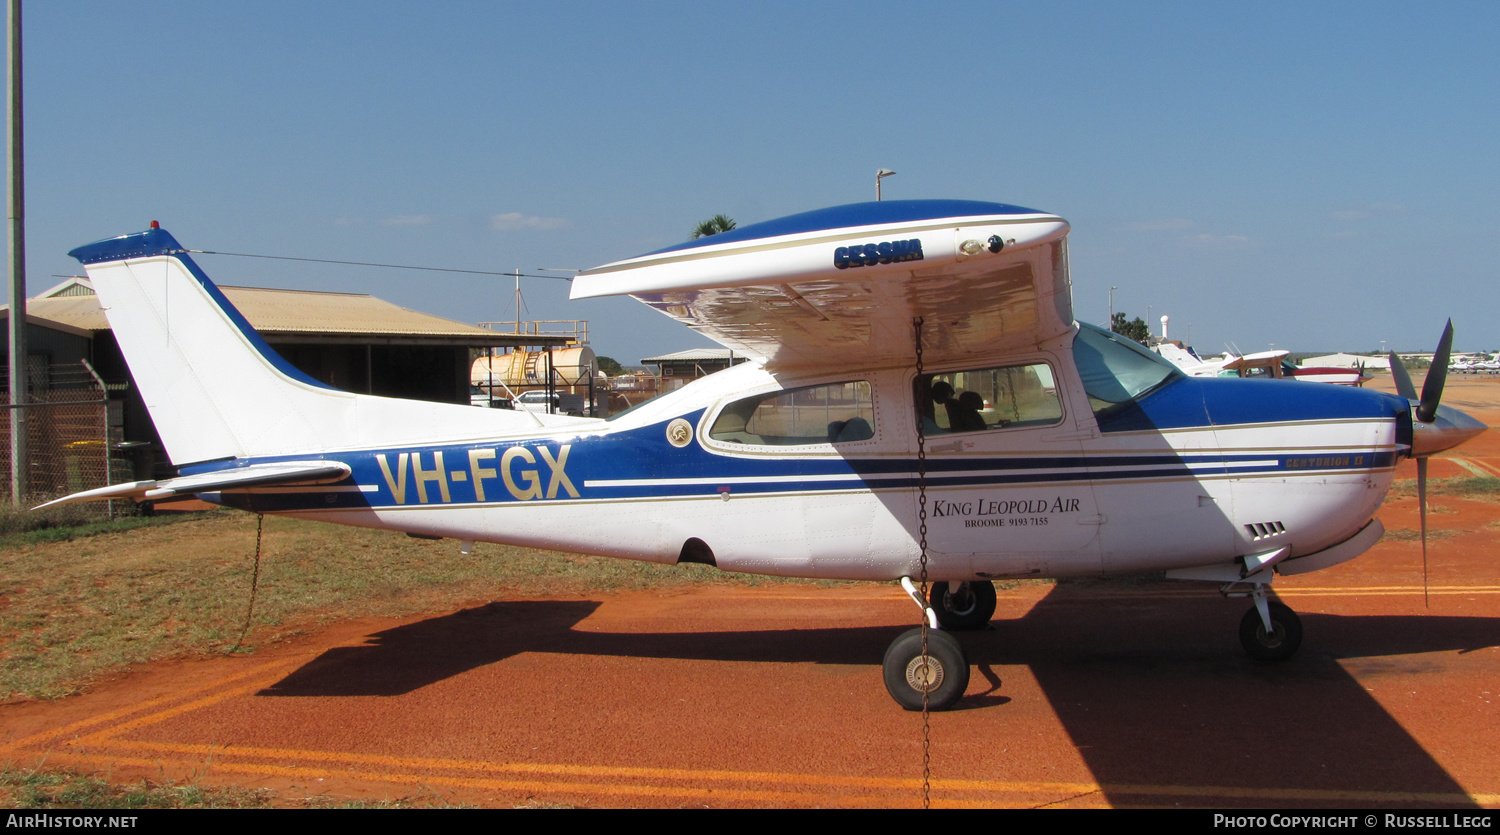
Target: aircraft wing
256,475
826,286
1256,360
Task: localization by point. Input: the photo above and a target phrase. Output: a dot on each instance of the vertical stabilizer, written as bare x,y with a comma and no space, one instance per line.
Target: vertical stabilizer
216,390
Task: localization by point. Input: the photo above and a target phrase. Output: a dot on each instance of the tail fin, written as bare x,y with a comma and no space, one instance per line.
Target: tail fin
216,390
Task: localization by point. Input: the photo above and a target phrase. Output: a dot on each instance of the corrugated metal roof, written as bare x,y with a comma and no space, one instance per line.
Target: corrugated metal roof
293,312
694,355
306,311
76,311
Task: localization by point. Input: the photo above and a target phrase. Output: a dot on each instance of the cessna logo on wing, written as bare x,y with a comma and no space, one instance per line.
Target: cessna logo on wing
885,252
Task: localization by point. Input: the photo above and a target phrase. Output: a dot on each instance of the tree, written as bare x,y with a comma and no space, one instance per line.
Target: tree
609,367
713,226
1135,329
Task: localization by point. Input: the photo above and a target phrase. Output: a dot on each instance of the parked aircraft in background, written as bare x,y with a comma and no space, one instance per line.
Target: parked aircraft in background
924,409
1264,364
1481,364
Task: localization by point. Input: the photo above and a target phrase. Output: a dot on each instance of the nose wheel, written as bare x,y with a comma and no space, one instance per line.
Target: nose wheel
963,607
1277,642
942,674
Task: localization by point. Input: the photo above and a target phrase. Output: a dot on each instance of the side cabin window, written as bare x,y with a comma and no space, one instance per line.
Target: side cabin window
828,414
1117,370
988,398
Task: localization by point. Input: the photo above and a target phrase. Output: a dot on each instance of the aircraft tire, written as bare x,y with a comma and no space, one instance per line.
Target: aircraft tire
949,670
1281,644
963,609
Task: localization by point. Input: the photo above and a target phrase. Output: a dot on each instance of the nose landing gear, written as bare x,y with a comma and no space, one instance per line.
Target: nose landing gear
1270,631
964,606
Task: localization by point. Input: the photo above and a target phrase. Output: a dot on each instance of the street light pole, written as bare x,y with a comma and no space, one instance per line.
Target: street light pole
19,461
881,174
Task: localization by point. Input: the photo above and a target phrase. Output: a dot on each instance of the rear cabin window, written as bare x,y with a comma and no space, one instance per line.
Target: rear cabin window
828,414
989,398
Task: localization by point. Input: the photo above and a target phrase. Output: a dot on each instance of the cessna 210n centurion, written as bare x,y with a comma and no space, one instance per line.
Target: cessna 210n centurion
924,408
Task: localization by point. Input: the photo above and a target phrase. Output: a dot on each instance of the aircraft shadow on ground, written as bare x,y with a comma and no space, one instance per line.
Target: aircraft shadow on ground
1152,693
409,657
1158,694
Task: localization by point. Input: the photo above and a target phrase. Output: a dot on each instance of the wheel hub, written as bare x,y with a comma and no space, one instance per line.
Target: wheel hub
924,674
960,601
1272,639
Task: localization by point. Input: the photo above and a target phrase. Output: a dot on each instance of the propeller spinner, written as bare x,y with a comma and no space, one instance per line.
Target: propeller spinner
1435,427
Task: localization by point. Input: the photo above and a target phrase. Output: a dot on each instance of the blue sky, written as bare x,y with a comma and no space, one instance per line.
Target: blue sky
1314,176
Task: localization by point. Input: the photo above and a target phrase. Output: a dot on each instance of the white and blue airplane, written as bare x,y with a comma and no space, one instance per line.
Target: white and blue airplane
924,408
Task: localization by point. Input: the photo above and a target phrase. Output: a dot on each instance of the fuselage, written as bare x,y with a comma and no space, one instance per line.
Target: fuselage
1068,473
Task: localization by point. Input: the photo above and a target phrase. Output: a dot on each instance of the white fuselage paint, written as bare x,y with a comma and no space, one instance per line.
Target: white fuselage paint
1057,525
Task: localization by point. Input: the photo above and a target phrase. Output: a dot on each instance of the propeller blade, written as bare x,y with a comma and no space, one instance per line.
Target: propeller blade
1422,502
1432,388
1403,379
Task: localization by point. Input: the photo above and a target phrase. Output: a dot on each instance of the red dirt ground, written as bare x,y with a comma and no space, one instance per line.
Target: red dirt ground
1087,694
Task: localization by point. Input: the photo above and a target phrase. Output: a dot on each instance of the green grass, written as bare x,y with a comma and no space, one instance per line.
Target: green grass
1414,535
38,789
82,599
1469,487
91,600
42,789
1476,487
19,520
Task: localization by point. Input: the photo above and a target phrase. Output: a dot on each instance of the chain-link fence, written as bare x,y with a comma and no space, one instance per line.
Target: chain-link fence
68,433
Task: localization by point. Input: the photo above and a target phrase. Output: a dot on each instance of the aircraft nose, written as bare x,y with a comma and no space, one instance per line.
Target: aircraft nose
1448,429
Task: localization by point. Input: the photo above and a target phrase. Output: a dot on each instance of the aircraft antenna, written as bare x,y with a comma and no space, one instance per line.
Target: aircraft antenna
374,264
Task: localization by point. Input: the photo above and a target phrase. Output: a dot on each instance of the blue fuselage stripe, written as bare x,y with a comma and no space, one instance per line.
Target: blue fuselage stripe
550,471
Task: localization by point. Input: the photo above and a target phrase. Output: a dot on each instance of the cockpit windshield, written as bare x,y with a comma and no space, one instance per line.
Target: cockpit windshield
1117,370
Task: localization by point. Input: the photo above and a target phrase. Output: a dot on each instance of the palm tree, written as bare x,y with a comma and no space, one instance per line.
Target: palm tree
713,226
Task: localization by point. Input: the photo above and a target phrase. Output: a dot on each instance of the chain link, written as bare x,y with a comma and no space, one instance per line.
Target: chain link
260,520
922,543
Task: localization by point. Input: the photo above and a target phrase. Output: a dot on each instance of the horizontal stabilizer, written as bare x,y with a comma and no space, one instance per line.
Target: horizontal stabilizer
258,475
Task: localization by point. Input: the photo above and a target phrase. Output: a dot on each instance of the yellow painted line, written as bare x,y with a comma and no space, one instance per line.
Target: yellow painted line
1062,792
128,710
630,781
523,786
441,764
107,735
1189,589
1205,591
1479,468
216,755
1382,591
621,781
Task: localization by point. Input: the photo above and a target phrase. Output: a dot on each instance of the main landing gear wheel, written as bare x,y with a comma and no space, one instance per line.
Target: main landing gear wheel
963,607
943,672
1280,643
